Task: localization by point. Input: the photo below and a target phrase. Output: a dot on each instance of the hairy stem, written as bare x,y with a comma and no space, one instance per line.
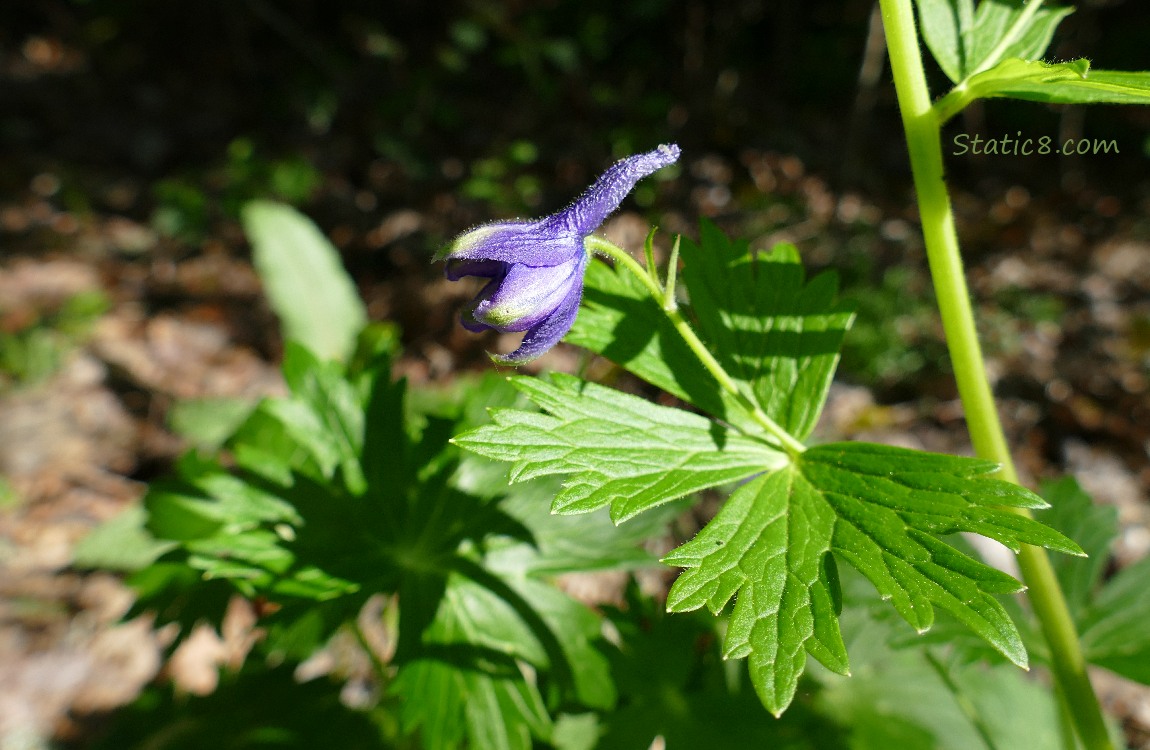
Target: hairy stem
599,245
925,147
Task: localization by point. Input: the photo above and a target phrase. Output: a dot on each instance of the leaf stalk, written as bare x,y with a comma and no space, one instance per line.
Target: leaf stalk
791,445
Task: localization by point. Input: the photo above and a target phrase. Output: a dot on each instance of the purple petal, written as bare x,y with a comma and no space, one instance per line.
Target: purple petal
536,268
471,323
467,316
547,332
584,215
528,295
531,243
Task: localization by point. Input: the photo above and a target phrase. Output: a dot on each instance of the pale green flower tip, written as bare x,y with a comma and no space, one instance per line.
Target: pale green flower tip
505,361
469,240
499,317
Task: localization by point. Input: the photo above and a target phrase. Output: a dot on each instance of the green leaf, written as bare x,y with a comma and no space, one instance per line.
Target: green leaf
448,704
674,684
776,334
767,545
1093,527
177,515
961,39
173,591
466,683
878,508
336,404
896,697
961,644
1111,618
578,543
340,494
576,732
995,19
577,633
557,544
1114,632
1058,83
892,502
943,25
207,500
209,422
622,322
1035,39
618,449
1067,83
305,282
256,709
317,431
121,543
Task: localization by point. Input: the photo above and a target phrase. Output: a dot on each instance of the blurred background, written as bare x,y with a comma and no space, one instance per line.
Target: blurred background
132,132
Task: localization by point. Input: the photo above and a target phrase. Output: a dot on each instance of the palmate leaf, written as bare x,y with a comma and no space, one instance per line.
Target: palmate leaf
468,680
876,507
960,38
306,284
995,19
1093,527
767,545
897,697
622,322
772,546
943,25
776,334
338,494
616,448
1111,616
1114,632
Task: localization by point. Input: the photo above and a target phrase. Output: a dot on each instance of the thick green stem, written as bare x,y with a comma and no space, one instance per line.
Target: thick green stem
1065,722
664,297
925,147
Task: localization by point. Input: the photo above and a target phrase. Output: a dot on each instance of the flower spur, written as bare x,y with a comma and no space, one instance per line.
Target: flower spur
536,267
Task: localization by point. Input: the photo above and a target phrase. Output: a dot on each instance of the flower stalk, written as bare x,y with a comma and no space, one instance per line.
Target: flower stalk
661,295
924,144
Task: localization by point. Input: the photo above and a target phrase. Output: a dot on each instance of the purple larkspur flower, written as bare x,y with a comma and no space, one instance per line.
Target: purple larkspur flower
536,267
